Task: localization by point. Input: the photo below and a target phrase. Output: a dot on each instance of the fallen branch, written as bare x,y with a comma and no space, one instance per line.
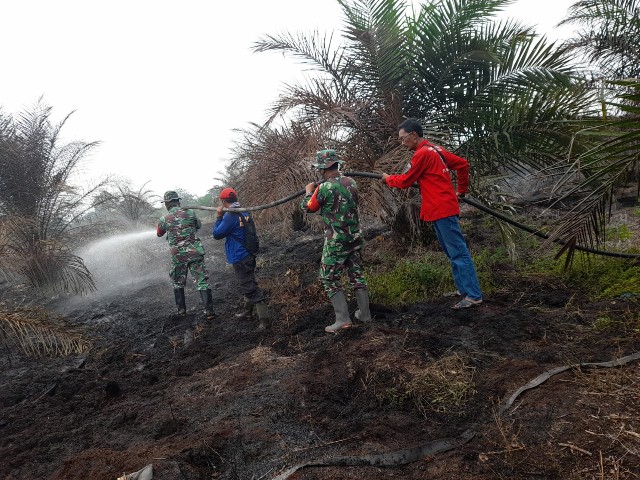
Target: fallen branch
573,447
554,371
400,457
633,434
48,391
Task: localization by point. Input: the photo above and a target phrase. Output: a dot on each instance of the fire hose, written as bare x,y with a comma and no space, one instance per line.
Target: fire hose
467,200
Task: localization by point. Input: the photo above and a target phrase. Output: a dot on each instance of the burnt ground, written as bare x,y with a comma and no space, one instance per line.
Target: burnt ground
218,400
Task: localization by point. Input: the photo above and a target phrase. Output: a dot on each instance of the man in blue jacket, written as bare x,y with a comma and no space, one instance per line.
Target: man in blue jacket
231,225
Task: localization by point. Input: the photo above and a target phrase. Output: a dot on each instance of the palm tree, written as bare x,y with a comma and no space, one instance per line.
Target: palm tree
610,40
38,205
612,161
494,92
609,36
123,205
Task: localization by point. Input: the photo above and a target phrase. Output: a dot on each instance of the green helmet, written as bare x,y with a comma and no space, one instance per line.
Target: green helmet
326,158
170,195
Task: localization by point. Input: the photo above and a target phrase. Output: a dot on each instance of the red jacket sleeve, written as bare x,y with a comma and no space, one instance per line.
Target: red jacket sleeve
418,166
312,204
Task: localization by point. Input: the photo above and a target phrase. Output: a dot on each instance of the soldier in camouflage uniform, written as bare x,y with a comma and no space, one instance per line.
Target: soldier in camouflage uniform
336,198
187,252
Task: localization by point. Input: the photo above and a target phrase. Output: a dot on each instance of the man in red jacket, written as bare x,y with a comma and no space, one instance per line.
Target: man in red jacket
430,166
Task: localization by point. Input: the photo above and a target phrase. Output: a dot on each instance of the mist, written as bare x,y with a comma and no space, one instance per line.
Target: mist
126,262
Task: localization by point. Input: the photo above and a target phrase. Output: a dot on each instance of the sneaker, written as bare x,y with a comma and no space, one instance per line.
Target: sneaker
466,303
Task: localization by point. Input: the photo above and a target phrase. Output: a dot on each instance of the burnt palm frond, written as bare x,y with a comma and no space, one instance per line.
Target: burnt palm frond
36,334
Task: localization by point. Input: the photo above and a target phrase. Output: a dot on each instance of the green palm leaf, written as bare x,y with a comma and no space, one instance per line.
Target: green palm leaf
609,163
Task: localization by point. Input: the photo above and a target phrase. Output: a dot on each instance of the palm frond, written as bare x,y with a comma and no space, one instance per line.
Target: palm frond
603,168
610,35
314,49
44,264
375,31
36,334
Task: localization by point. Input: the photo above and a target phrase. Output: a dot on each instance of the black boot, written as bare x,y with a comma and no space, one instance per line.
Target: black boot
182,306
207,299
247,310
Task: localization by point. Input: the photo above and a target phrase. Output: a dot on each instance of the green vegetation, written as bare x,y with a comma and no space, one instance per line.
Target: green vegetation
624,323
620,233
423,275
410,280
487,262
598,277
603,323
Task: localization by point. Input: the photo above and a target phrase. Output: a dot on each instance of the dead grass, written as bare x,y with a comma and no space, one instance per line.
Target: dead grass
612,381
290,297
442,386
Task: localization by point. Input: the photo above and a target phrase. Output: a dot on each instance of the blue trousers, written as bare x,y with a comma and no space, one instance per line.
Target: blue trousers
455,248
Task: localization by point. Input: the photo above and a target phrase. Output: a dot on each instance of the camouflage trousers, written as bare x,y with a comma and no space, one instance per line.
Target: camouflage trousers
196,266
336,258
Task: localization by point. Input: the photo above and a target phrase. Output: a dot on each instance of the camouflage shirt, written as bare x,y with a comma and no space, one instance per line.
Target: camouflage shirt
337,200
181,226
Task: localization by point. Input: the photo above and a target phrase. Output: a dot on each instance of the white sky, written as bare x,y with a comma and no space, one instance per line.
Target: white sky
161,83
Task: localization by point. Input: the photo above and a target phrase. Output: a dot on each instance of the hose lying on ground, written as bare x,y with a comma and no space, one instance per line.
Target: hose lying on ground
392,459
410,455
554,371
467,200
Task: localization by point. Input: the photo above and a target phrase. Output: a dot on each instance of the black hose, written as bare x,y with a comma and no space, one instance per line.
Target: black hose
540,234
251,209
466,200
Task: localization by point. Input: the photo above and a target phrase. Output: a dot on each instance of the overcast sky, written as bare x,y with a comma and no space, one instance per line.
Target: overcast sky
162,84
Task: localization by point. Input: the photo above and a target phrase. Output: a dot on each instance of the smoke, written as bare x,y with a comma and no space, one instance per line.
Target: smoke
125,262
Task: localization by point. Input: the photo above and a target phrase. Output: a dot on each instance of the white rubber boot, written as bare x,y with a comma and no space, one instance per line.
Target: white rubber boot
363,314
341,309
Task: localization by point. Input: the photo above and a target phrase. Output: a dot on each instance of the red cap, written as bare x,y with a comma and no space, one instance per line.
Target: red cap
228,194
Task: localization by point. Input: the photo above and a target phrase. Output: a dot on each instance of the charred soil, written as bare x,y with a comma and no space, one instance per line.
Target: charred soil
219,400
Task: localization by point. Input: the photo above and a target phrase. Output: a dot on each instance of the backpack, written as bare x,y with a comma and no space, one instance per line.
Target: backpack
251,240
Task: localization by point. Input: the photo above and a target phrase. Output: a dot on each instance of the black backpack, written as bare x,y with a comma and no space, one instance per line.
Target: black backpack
251,240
